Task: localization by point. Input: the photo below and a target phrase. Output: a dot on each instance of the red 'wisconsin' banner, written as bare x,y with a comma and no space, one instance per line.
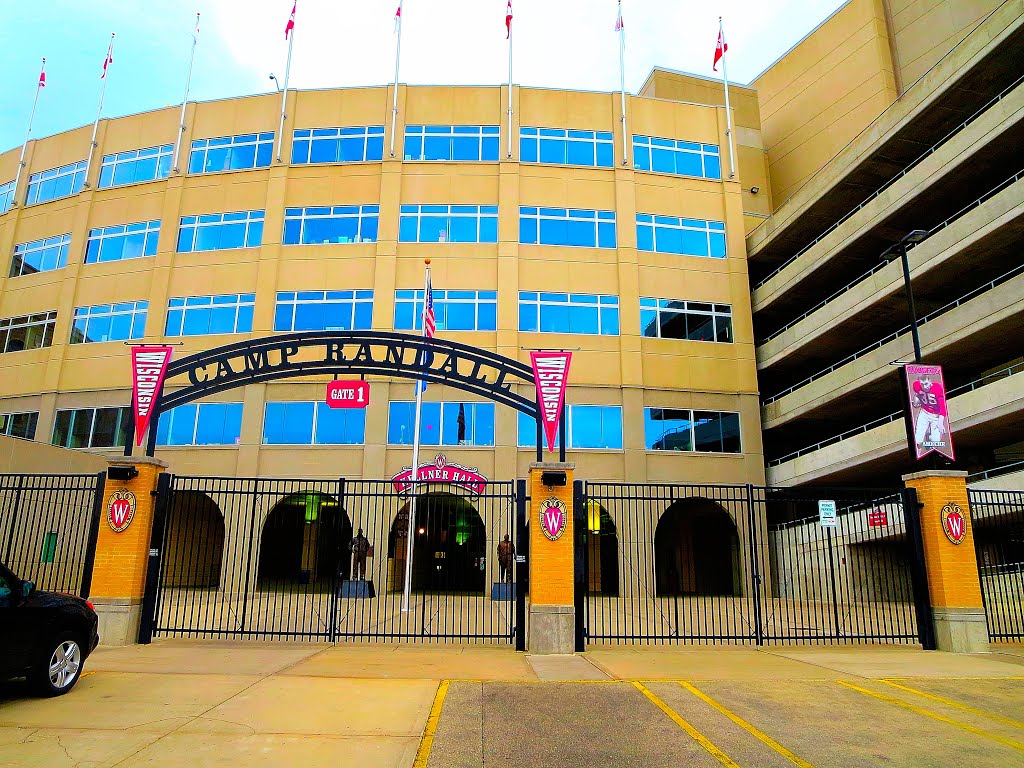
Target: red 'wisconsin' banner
551,374
149,366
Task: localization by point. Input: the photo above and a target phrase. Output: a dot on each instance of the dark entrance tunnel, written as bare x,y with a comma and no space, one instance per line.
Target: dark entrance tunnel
304,541
696,551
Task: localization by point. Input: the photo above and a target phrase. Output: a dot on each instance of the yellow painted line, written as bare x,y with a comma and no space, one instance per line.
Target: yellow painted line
752,730
958,705
934,715
693,733
427,740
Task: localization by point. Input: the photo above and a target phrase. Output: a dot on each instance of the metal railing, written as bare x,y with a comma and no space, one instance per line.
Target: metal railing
1005,469
970,386
998,529
934,230
907,169
1009,275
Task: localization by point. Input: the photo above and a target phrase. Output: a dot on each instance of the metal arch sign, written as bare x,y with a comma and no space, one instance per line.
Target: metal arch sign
120,510
440,470
954,523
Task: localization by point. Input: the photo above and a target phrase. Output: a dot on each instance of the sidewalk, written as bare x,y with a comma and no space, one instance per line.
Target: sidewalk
224,703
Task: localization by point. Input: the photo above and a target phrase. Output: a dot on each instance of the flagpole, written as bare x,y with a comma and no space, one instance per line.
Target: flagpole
728,110
510,90
394,101
407,591
99,112
28,133
284,93
184,101
622,85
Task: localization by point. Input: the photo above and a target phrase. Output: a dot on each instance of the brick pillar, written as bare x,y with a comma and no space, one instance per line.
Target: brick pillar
552,563
119,574
950,560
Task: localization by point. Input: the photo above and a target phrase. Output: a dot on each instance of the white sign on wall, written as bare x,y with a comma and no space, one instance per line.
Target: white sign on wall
827,513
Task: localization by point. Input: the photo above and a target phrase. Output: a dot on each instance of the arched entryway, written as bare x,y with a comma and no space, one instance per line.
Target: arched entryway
193,542
450,549
305,541
696,550
602,542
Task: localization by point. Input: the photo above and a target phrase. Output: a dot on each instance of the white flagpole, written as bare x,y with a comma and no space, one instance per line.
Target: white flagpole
407,591
99,112
284,92
728,110
622,85
184,101
394,102
510,90
28,134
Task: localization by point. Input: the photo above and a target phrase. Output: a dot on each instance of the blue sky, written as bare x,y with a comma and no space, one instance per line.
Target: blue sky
558,43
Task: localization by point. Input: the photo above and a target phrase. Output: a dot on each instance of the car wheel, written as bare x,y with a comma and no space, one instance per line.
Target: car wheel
60,666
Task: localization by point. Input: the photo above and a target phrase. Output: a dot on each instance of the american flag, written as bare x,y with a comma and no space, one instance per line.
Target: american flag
429,324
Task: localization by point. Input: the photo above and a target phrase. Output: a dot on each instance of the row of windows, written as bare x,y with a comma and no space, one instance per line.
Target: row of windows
451,143
596,427
19,425
353,310
359,223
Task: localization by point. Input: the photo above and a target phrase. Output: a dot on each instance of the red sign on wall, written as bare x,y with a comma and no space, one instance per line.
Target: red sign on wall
878,518
348,394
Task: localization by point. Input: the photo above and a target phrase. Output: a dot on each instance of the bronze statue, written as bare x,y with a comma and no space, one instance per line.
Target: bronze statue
506,554
359,547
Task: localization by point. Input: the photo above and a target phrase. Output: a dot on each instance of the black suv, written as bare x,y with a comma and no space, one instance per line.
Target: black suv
44,636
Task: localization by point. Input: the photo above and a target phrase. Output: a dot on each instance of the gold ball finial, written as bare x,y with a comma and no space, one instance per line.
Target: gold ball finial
427,262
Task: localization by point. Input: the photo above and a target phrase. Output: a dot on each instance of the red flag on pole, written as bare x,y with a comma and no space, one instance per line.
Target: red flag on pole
619,23
398,16
109,60
508,21
291,21
720,49
42,75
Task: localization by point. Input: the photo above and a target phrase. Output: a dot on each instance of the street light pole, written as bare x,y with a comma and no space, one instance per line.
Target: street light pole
912,238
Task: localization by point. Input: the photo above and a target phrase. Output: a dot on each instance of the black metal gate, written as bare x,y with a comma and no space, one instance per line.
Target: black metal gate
743,564
48,528
997,518
326,559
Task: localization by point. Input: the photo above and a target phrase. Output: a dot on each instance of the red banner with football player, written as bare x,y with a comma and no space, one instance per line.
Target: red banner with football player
928,427
551,374
149,366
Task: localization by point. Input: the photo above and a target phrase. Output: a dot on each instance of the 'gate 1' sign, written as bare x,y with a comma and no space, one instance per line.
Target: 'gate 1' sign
827,513
348,394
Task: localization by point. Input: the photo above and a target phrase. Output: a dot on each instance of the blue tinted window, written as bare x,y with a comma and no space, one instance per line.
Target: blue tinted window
6,197
203,424
324,311
452,142
136,166
569,313
566,147
667,429
40,255
232,153
338,145
683,158
123,241
442,423
308,423
55,182
109,322
220,231
688,320
453,310
561,226
587,426
201,315
685,237
448,224
91,427
27,331
338,224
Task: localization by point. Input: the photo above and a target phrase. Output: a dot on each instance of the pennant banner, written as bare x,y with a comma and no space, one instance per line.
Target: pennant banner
928,427
149,366
551,374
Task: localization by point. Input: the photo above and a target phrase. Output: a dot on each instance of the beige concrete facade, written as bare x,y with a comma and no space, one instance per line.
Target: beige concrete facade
627,370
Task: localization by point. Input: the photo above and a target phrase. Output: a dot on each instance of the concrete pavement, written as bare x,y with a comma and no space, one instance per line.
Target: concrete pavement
178,703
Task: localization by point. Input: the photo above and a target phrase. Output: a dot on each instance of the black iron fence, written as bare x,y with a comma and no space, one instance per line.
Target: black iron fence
327,559
717,564
997,518
48,528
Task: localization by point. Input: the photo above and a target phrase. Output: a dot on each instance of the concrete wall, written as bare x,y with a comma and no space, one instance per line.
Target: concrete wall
24,456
